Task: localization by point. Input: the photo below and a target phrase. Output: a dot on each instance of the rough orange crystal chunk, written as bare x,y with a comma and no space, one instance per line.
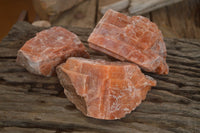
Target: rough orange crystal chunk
133,39
41,54
101,89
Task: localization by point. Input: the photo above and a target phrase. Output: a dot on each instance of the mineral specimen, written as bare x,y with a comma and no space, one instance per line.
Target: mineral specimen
41,54
133,39
101,89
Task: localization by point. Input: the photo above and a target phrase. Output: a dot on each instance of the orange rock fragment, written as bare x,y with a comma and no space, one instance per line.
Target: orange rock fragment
101,89
133,39
41,54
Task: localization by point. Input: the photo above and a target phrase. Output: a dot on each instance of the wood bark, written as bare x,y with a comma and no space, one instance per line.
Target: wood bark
31,102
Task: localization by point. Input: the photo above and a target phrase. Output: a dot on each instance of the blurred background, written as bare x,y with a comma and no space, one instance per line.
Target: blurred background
175,18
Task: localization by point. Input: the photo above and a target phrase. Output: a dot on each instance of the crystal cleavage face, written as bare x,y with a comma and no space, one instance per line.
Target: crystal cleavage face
41,54
133,39
102,89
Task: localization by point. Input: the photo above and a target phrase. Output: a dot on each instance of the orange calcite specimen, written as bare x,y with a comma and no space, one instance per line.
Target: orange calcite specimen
101,89
134,39
41,54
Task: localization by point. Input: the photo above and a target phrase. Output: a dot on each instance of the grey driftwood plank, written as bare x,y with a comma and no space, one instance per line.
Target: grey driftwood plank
117,5
145,6
30,101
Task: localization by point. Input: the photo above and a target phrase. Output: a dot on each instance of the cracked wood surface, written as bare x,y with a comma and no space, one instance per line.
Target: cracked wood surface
31,103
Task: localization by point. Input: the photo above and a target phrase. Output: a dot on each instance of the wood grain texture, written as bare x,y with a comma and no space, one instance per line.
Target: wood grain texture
82,15
117,5
36,130
24,130
181,20
31,101
145,6
106,4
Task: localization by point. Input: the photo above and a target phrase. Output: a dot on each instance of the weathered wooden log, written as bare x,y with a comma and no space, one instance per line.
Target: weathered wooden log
37,103
24,130
116,5
172,19
145,6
